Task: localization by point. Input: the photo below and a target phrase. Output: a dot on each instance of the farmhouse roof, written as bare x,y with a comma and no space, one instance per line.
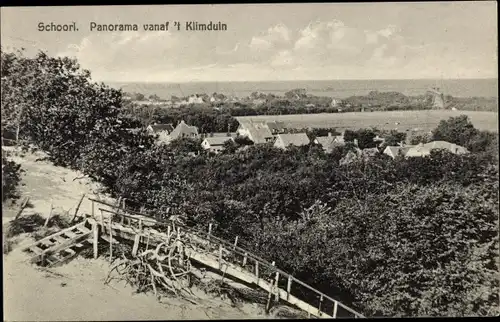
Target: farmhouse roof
454,148
220,140
183,128
418,151
276,125
259,132
297,139
220,134
162,127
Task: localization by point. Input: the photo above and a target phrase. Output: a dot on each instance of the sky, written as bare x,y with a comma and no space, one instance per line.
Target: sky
269,42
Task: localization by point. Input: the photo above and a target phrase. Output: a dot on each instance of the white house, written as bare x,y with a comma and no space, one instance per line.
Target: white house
425,149
162,130
259,133
216,143
182,130
336,102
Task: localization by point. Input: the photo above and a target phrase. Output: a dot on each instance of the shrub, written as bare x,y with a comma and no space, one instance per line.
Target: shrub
11,176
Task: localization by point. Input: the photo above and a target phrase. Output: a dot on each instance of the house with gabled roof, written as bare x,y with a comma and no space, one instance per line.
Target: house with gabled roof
215,143
422,150
283,141
182,130
453,148
157,128
418,151
258,132
395,151
162,130
329,142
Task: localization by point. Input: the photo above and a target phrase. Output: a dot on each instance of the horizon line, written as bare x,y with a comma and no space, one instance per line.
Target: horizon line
292,80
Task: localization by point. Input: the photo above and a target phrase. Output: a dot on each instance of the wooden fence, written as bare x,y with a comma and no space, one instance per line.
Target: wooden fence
282,285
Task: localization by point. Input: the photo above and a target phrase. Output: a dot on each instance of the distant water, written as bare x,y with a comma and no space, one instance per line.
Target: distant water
334,88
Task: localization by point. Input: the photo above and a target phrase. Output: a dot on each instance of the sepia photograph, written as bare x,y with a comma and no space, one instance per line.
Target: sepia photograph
250,161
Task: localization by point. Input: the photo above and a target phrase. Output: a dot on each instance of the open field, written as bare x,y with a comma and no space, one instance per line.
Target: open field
422,120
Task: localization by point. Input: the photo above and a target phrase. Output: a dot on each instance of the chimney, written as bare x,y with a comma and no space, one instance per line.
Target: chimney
329,134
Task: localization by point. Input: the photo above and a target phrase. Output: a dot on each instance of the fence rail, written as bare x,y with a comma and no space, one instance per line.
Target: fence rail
242,258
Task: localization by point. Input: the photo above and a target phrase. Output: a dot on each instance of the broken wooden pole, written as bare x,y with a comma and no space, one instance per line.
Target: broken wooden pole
147,240
95,229
289,287
77,208
140,224
137,240
235,242
50,214
23,205
257,272
93,209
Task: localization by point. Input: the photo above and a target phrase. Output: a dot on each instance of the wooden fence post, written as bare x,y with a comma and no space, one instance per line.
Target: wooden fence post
209,232
220,256
110,238
245,258
335,310
95,229
235,242
319,306
277,288
168,232
270,293
93,210
140,224
289,287
257,271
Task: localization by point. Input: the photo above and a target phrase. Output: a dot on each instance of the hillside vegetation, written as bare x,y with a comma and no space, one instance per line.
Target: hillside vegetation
404,237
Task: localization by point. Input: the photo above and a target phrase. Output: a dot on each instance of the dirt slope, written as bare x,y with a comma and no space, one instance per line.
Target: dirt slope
76,291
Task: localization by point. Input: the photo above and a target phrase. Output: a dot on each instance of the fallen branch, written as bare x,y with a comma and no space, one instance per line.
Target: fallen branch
50,214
